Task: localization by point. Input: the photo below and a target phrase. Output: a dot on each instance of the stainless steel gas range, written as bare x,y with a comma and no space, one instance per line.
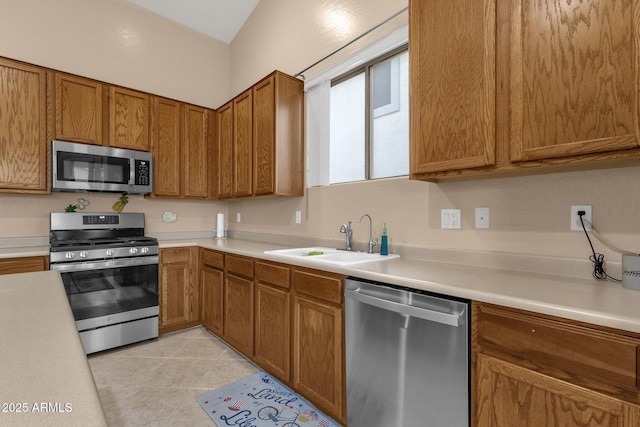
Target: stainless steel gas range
110,273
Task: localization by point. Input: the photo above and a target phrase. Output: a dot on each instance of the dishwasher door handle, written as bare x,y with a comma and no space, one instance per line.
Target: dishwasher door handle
408,310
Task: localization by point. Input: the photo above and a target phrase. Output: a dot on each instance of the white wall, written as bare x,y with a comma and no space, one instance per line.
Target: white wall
529,215
117,42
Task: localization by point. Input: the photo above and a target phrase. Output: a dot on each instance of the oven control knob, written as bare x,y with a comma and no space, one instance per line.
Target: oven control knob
144,250
133,251
69,255
109,252
84,254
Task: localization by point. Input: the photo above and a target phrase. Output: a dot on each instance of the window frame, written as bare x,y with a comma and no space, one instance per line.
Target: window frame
369,112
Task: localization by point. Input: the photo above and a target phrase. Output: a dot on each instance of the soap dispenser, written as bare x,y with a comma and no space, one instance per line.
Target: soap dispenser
384,246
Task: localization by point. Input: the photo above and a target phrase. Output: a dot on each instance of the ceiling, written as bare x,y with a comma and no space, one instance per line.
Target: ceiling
219,19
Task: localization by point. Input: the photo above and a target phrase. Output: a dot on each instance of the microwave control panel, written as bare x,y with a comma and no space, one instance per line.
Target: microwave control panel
142,172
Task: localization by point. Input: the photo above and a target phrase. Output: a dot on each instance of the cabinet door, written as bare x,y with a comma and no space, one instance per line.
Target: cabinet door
212,299
574,77
264,136
23,128
243,144
78,109
509,395
238,313
318,354
178,292
225,151
24,265
273,333
128,119
195,152
452,84
166,140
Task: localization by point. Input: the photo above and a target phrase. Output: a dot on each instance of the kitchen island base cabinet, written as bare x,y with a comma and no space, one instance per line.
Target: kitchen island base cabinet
318,340
24,264
179,307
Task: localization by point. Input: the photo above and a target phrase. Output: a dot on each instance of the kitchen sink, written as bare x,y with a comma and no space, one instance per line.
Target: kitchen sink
330,255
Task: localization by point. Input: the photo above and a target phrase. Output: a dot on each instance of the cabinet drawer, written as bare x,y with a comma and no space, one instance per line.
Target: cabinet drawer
319,284
212,259
175,255
274,274
552,344
239,265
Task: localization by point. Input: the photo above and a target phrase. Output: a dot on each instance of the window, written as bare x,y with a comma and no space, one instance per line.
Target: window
357,114
369,120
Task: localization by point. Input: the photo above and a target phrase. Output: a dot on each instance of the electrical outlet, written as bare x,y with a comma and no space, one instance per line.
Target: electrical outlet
238,218
482,217
575,218
450,219
298,217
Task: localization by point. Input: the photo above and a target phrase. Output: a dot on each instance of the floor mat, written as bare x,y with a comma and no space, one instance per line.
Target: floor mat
259,400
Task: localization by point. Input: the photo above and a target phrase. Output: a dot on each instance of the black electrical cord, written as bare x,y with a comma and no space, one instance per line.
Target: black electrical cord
596,258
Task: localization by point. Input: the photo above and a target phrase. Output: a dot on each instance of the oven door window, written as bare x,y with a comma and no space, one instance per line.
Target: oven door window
104,292
77,167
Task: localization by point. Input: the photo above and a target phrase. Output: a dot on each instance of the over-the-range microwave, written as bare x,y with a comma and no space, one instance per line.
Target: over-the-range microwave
85,168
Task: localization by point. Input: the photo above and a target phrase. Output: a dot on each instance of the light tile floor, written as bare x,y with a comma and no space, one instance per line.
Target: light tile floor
155,383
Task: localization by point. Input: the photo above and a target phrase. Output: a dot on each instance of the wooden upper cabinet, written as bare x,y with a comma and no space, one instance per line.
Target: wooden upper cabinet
182,142
574,77
452,84
23,128
225,151
78,109
243,144
195,152
128,119
264,138
166,134
261,140
278,119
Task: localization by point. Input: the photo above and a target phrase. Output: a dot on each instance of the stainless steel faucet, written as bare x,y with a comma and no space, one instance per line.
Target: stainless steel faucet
346,229
372,242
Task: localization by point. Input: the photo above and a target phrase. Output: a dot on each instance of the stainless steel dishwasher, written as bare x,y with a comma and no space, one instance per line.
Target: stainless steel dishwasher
407,357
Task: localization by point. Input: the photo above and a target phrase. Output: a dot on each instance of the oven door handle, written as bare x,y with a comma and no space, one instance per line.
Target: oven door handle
102,264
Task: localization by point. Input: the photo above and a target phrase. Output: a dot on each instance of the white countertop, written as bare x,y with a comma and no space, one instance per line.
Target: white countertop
45,379
588,300
24,251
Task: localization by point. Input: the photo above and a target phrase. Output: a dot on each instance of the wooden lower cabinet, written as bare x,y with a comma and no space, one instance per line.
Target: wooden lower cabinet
318,340
179,298
537,370
24,264
212,290
273,319
510,395
238,303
